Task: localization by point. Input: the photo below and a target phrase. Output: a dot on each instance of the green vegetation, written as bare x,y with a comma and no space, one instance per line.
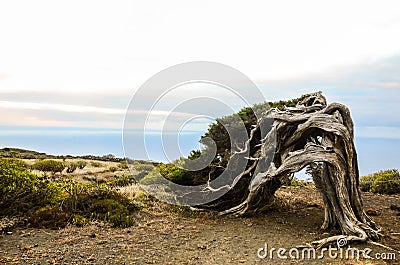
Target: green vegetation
49,217
54,204
20,190
143,167
123,165
184,211
112,211
366,182
28,154
81,164
80,220
219,134
150,174
71,167
382,182
17,163
23,154
247,117
96,164
298,183
49,166
171,172
113,169
150,178
125,180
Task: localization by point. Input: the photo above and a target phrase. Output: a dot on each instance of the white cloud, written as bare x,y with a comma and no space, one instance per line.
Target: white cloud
116,45
87,57
59,107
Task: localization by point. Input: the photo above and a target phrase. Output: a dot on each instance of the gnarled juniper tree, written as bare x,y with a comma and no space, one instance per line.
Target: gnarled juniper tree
311,134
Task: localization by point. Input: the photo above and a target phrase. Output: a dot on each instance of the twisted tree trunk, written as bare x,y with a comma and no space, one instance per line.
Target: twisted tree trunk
312,134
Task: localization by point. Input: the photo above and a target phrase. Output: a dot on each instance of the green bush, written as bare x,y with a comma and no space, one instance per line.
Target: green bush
366,182
383,182
298,182
112,211
113,169
81,164
388,182
53,204
151,178
52,217
49,166
21,191
96,164
171,172
21,164
123,165
71,167
120,220
99,202
80,220
122,181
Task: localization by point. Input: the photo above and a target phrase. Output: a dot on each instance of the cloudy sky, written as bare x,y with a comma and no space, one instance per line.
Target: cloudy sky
71,67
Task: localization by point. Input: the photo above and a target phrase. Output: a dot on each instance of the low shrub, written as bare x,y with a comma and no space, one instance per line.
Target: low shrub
96,164
71,167
122,181
171,172
150,178
21,191
366,182
19,163
80,220
183,210
53,204
112,211
49,166
123,165
298,182
52,217
142,196
113,169
388,182
81,164
383,182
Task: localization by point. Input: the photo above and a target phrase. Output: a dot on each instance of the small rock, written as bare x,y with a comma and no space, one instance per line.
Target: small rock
36,245
372,212
9,233
394,207
92,235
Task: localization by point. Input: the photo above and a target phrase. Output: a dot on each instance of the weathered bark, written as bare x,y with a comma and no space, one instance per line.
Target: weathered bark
311,134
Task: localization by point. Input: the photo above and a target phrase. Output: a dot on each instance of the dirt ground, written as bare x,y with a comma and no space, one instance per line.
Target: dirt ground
165,234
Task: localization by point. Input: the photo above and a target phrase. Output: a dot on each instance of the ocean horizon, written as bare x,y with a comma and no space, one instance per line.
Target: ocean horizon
374,154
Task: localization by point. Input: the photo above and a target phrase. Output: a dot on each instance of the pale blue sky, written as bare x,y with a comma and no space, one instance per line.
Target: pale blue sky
76,64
